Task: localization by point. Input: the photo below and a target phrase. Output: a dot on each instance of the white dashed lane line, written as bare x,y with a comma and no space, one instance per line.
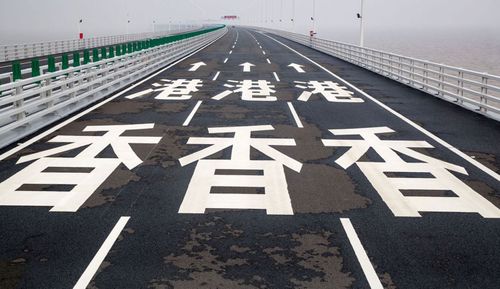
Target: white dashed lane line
276,76
190,116
268,61
225,60
216,75
94,265
295,115
364,261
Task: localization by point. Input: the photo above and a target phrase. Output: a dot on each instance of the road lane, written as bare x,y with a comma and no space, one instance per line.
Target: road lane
247,247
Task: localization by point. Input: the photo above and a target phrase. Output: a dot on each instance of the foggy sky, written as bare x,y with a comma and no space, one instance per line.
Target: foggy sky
38,20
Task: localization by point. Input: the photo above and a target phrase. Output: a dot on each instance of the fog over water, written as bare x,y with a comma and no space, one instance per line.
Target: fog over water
464,33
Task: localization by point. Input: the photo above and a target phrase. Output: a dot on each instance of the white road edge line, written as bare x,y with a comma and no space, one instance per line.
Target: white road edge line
364,261
225,60
405,119
276,76
72,119
94,265
190,116
295,115
216,75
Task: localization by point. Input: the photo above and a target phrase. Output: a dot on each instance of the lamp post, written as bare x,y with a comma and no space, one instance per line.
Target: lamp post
361,16
80,33
313,18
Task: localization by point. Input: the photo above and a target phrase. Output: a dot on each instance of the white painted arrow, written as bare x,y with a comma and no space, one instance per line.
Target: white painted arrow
197,65
247,66
297,67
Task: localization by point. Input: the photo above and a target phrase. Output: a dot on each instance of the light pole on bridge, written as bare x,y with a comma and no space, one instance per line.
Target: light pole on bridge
361,16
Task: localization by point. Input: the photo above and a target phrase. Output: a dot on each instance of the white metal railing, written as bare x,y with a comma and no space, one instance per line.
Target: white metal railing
30,50
473,90
30,104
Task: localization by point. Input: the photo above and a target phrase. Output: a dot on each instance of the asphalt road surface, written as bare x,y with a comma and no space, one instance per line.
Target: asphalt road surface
255,163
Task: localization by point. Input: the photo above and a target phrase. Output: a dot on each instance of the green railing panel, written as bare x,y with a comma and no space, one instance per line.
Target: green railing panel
76,59
95,55
51,62
86,56
16,70
64,61
35,67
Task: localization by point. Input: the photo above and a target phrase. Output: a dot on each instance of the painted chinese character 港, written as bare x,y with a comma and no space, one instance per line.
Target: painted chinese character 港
250,90
179,89
239,172
330,90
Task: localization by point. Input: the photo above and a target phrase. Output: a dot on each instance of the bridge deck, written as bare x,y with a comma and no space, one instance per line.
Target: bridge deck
260,219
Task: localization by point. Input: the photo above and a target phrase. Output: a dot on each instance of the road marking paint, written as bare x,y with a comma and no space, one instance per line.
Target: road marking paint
397,114
260,47
276,76
297,67
216,75
197,65
103,102
263,52
231,52
364,261
225,60
234,46
94,265
295,115
247,67
190,116
268,61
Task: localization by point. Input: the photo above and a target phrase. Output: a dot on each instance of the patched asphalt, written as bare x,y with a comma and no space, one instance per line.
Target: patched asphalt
160,248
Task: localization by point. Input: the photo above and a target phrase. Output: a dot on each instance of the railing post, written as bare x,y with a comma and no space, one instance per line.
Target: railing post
441,79
426,76
19,103
484,95
460,84
48,93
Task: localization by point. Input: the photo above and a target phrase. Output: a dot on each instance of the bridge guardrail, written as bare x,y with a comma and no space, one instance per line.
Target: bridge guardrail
30,50
30,104
476,91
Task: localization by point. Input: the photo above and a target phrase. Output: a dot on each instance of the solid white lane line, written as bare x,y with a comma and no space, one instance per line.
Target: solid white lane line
225,60
268,61
77,116
364,261
216,75
190,116
94,265
295,115
276,76
405,119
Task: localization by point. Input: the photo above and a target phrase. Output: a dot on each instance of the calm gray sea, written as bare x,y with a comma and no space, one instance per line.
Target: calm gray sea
475,49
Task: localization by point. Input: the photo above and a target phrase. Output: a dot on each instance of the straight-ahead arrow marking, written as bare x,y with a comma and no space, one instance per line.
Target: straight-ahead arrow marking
197,65
247,66
297,67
